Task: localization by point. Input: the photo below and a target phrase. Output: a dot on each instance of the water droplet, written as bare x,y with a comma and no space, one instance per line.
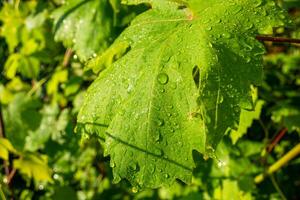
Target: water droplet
237,9
158,137
174,86
221,164
221,99
226,35
162,78
218,21
249,26
112,164
257,3
152,168
41,187
55,176
209,28
248,59
158,152
160,122
133,167
170,107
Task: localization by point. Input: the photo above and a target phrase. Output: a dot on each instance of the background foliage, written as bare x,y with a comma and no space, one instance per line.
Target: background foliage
43,83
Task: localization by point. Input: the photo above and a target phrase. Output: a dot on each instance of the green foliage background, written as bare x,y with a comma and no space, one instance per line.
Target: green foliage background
43,82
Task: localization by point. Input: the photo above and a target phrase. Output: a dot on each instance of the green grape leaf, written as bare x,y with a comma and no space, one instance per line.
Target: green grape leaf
5,148
34,166
86,26
12,25
180,87
230,190
287,114
21,116
246,119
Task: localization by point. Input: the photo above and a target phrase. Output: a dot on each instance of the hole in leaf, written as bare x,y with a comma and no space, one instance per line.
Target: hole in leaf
196,75
181,7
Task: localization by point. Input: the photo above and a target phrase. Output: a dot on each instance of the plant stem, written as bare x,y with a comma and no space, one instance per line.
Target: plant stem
2,193
277,165
277,39
277,139
2,130
67,57
275,184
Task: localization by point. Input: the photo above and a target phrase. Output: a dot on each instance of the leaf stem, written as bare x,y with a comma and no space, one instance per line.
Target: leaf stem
2,193
277,39
279,164
275,184
67,57
276,139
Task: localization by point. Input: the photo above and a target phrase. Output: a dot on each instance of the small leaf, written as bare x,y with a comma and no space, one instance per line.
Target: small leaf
34,166
5,148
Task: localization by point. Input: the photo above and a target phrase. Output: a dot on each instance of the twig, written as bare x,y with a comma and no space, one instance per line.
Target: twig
275,184
6,168
277,165
277,39
11,176
2,130
276,139
67,57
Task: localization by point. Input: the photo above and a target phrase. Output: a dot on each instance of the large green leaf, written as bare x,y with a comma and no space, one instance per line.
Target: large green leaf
85,25
179,88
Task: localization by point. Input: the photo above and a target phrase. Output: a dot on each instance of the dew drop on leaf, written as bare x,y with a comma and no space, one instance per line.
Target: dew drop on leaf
158,152
209,28
237,9
158,137
257,3
160,122
220,99
226,35
248,59
221,164
162,78
112,164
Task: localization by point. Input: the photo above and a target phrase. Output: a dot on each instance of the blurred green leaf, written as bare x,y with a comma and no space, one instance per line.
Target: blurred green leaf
5,148
86,26
34,166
